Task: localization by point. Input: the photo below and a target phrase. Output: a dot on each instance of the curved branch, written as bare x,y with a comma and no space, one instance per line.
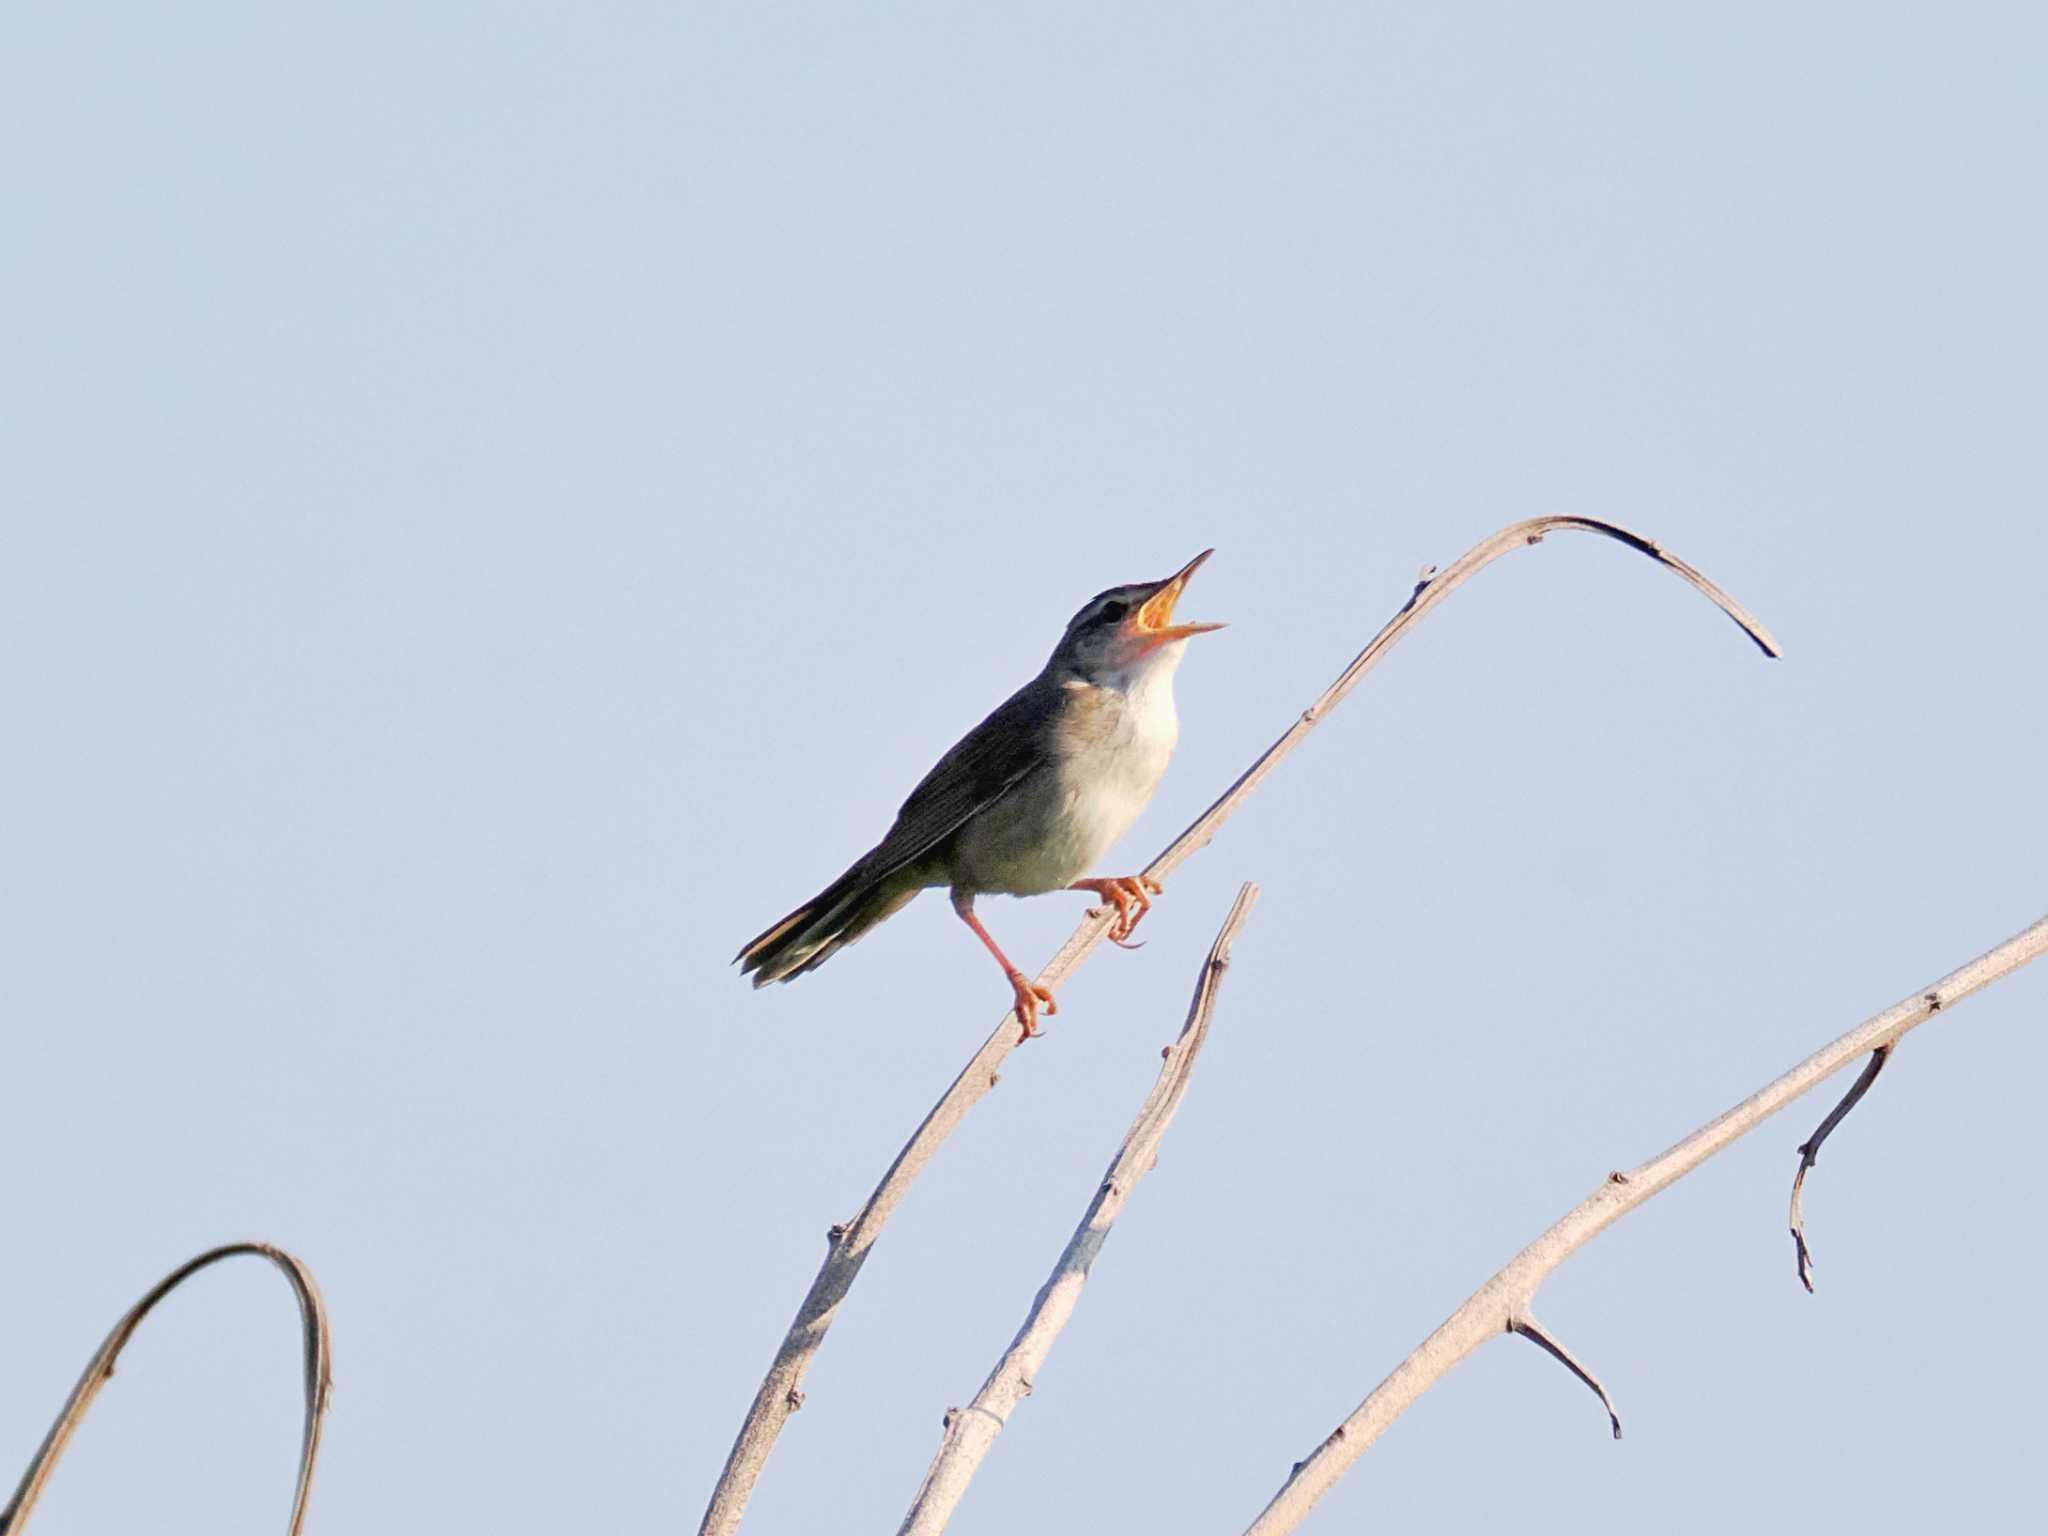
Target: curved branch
971,1433
1497,1306
319,1380
1430,589
781,1390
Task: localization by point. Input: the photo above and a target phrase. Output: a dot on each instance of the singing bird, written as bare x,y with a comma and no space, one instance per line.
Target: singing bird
1028,800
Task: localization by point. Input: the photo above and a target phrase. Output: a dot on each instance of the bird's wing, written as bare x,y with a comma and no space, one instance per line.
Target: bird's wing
983,766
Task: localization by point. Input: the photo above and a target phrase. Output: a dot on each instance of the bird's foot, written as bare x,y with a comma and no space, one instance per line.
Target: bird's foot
1131,895
1029,996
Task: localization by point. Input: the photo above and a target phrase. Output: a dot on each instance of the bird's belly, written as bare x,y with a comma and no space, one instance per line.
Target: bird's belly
1049,833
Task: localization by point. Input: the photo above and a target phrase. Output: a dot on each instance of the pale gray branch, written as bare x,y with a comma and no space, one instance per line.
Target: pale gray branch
781,1391
1497,1306
1809,1154
319,1380
970,1434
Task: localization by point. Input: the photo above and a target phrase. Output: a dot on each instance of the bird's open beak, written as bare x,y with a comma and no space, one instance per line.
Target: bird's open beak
1155,618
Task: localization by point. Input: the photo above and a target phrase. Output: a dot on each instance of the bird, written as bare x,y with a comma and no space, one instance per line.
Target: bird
1028,801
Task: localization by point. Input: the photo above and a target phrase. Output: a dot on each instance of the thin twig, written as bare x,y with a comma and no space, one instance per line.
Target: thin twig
781,1390
319,1380
971,1433
1809,1154
1535,1332
1494,1308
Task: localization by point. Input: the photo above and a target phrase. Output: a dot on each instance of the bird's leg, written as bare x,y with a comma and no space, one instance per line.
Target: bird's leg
1129,894
1029,995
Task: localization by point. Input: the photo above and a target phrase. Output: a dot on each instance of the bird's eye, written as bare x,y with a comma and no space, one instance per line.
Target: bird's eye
1113,613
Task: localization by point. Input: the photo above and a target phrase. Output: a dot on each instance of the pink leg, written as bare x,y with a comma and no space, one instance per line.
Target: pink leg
1029,996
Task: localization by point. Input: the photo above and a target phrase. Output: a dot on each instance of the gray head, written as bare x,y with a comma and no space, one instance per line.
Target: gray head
1120,632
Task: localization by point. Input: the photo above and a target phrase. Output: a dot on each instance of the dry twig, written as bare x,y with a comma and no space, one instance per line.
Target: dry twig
1809,1154
971,1431
1502,1304
781,1391
319,1380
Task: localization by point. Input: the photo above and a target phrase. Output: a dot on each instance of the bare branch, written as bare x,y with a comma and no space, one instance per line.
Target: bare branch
319,1380
970,1434
1809,1154
1532,1330
781,1391
1496,1306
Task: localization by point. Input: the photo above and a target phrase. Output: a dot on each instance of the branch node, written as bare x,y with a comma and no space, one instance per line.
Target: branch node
1532,1330
1809,1150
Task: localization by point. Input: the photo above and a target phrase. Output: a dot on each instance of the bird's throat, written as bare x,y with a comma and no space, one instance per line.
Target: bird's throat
1145,674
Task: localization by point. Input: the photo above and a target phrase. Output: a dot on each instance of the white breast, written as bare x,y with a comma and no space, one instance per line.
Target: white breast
1115,738
1108,770
1108,780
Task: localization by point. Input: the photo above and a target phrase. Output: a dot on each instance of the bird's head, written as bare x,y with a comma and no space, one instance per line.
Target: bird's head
1125,632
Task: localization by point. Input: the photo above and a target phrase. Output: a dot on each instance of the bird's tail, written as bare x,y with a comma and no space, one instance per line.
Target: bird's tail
822,926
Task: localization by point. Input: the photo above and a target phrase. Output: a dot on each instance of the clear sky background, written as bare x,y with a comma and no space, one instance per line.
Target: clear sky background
502,501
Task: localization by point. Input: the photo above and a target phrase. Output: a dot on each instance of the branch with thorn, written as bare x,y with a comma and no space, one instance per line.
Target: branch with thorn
781,1389
1533,1331
1502,1305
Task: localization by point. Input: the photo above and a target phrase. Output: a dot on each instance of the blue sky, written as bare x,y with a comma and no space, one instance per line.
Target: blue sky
503,501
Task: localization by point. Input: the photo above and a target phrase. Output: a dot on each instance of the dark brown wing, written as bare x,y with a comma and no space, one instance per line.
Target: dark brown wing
982,767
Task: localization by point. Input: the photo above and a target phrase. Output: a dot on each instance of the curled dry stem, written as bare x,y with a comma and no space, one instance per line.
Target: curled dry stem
781,1390
319,1380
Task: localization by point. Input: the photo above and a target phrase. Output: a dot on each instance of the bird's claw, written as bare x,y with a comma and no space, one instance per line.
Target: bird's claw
1029,996
1132,897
